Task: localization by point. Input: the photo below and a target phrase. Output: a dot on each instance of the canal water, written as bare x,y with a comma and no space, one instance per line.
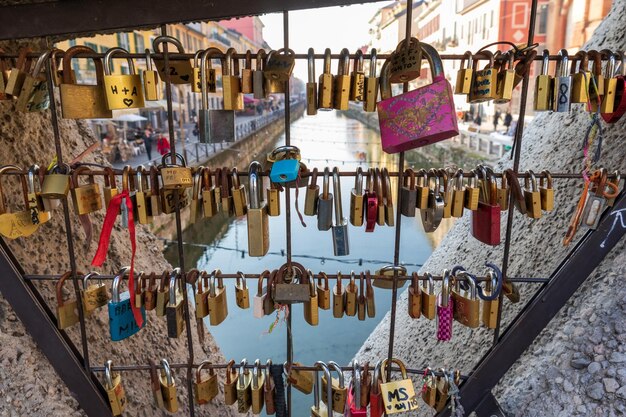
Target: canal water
328,139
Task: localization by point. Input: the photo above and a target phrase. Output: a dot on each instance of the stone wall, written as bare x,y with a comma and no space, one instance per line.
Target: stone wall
577,367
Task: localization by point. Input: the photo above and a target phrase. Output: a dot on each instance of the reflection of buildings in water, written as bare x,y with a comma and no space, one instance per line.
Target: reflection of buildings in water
437,236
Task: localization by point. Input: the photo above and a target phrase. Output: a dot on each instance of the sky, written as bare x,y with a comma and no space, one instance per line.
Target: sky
334,27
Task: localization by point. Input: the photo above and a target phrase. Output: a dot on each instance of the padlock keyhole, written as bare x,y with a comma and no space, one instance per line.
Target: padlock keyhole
283,176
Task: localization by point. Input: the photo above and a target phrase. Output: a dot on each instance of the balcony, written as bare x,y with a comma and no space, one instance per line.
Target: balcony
221,39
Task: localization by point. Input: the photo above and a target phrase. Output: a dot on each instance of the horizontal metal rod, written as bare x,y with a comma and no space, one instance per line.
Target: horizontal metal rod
236,366
346,276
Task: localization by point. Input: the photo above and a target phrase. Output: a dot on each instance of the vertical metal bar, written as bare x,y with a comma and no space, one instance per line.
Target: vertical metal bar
66,218
179,230
288,204
396,252
516,158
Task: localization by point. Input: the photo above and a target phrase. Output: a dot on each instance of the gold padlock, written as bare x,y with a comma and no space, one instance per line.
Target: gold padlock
33,96
323,292
19,223
168,388
339,298
67,311
429,298
398,396
532,196
93,295
547,192
415,297
209,200
388,272
114,389
57,74
543,85
179,69
311,85
371,85
56,183
16,76
369,296
610,85
162,294
175,309
218,308
246,74
465,75
352,294
258,79
505,80
87,198
231,83
357,79
339,389
311,312
195,212
244,391
257,216
196,84
278,69
143,207
466,305
596,88
230,384
175,176
110,187
81,101
257,388
342,82
38,213
273,200
205,389
239,195
581,77
151,86
326,85
490,308
123,91
242,295
458,195
406,61
484,82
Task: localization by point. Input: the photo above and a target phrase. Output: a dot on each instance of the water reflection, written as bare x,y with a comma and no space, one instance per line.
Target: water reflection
326,140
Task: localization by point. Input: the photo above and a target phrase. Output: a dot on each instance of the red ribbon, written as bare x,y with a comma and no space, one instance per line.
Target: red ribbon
103,245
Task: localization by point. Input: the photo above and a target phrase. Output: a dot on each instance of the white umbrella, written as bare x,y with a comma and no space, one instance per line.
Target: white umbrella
130,118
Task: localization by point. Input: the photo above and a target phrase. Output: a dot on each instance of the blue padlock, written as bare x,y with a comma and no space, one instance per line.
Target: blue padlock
121,320
285,164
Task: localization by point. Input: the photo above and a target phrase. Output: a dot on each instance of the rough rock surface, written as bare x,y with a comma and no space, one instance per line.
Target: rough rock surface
577,366
28,383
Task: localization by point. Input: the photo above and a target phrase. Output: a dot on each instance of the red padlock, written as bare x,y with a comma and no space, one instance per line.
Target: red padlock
377,407
371,201
486,220
354,408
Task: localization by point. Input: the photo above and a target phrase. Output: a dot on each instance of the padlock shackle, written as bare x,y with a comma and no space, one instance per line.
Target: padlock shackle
179,157
67,64
128,179
343,67
337,197
467,60
255,374
59,288
265,274
13,168
326,183
445,288
384,367
242,372
327,61
88,277
322,276
108,60
33,172
148,59
204,363
311,282
358,181
561,66
142,179
167,39
167,371
335,366
376,378
115,286
357,64
43,58
431,282
545,62
408,179
530,182
356,383
108,375
329,385
311,65
260,59
373,59
204,61
173,287
242,277
254,188
580,62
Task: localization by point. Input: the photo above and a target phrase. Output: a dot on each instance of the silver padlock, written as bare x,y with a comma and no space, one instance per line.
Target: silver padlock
340,228
562,85
258,82
204,122
325,205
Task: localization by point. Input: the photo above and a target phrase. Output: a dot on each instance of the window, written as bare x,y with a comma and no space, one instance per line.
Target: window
139,45
122,41
491,25
485,26
520,16
90,64
542,17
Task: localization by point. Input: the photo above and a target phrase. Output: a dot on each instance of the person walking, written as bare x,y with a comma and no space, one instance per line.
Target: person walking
508,118
163,145
148,139
496,119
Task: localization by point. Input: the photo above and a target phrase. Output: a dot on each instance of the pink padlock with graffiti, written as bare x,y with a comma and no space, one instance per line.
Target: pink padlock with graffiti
419,117
445,310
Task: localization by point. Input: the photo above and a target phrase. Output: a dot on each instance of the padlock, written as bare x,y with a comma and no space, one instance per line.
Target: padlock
19,223
269,390
175,176
398,396
257,388
422,190
446,191
389,271
406,61
432,215
128,186
380,193
506,79
175,309
204,119
465,75
429,298
93,295
466,304
284,287
230,384
142,197
115,390
562,85
87,198
371,201
484,81
231,83
581,77
67,311
298,378
617,182
357,200
352,294
323,292
532,196
326,85
486,219
201,293
242,296
155,385
404,126
503,193
366,384
339,389
361,300
38,212
445,309
33,95
357,78
543,86
16,76
257,216
429,389
311,196
122,323
168,387
458,194
311,85
239,195
110,188
285,164
83,101
195,212
246,75
371,85
209,199
179,70
369,296
319,409
140,290
162,294
596,203
123,91
388,199
490,307
408,194
222,124
325,205
342,82
377,407
339,298
415,297
547,192
196,83
258,80
4,75
472,192
354,405
244,392
341,244
596,88
610,86
273,200
218,308
258,302
278,69
442,390
205,389
151,293
310,308
151,86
